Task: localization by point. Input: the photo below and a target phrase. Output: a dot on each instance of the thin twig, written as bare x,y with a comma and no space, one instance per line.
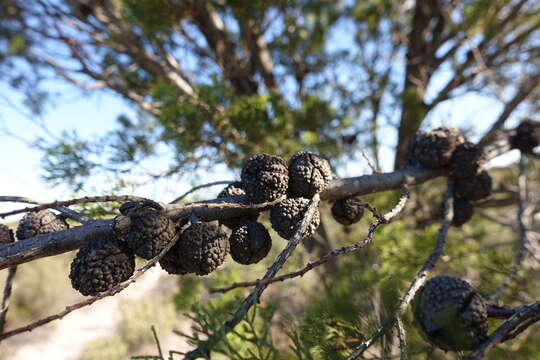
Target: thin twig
112,291
421,277
272,270
72,214
86,199
525,315
402,338
384,219
5,298
370,163
522,191
195,188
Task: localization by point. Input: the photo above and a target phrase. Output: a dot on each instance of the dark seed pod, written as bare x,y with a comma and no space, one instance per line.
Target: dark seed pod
527,136
467,161
309,174
463,211
234,189
39,223
474,188
250,243
202,248
265,178
150,231
287,215
347,211
101,264
450,314
6,234
434,149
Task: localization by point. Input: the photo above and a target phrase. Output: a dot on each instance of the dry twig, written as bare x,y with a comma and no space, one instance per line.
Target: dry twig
522,186
384,219
72,214
198,187
272,270
5,298
421,277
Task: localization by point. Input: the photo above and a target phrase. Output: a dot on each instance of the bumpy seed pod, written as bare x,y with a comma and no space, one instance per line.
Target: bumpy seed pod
474,188
450,314
527,136
250,242
434,149
101,264
287,215
39,223
234,189
6,234
265,178
347,211
172,261
467,161
202,248
150,231
309,174
463,211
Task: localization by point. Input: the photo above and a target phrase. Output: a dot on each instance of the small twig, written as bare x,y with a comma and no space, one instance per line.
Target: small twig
370,163
402,338
86,199
500,312
522,192
5,298
72,214
272,270
525,315
195,188
421,277
384,219
112,291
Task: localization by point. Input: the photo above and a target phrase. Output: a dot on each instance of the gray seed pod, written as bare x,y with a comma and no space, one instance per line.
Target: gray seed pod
467,161
101,264
347,211
287,215
265,178
309,174
434,149
450,314
527,136
250,242
202,248
474,188
150,231
39,223
234,189
6,234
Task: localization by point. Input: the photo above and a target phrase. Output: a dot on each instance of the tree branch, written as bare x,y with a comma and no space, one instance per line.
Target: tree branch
525,315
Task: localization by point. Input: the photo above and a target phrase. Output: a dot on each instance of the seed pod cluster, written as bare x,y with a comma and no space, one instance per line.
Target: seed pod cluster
265,178
474,188
39,223
467,161
527,136
450,314
6,234
309,174
202,247
150,231
434,149
250,242
286,216
235,189
101,264
347,211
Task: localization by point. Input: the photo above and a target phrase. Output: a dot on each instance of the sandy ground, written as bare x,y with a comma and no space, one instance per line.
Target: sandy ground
64,339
